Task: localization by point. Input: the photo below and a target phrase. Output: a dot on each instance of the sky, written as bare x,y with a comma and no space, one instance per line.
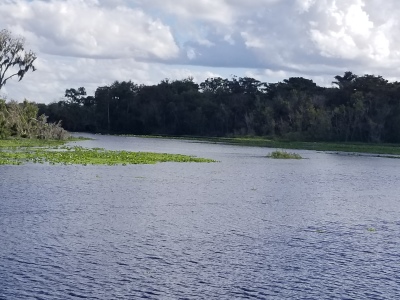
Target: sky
92,43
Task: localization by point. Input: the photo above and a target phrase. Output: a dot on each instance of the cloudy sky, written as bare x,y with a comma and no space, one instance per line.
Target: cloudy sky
91,43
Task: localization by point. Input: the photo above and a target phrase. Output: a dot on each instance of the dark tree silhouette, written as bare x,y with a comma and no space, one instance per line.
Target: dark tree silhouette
360,108
14,60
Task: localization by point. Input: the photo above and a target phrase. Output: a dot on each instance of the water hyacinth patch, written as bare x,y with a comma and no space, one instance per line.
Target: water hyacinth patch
86,156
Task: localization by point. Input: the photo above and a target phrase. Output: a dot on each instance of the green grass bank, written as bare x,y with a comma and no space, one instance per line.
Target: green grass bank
388,149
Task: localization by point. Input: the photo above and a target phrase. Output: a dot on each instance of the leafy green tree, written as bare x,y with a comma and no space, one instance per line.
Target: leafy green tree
21,120
345,81
215,85
4,128
122,105
76,96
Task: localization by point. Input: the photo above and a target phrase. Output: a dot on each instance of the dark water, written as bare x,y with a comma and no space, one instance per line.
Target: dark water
326,227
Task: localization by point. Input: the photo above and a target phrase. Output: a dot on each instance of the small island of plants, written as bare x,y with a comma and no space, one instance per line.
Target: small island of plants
86,156
279,154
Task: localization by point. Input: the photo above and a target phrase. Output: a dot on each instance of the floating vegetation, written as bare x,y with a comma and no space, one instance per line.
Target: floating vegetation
278,154
25,143
371,229
18,143
85,156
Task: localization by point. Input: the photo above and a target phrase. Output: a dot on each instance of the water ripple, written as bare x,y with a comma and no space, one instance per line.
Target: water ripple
245,228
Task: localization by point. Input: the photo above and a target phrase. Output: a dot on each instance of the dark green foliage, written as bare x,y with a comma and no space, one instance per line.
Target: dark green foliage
280,154
357,109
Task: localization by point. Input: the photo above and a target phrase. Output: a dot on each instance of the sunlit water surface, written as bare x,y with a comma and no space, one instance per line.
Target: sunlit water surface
246,227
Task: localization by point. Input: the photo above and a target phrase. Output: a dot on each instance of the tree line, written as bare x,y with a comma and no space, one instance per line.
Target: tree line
356,108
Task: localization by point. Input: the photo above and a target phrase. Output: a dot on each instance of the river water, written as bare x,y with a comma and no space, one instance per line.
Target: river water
246,227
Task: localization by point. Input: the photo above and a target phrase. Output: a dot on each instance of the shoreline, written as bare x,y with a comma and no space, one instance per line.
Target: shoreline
390,150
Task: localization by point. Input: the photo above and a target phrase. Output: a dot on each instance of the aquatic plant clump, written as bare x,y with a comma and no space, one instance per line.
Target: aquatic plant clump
26,143
84,156
283,155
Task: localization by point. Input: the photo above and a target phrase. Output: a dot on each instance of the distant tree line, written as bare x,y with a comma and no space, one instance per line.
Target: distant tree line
357,108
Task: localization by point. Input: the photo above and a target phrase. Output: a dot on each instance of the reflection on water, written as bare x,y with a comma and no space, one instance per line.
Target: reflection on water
246,227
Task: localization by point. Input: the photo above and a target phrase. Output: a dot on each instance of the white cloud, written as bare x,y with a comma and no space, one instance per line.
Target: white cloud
86,29
252,41
94,42
56,74
206,10
191,53
304,5
359,32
